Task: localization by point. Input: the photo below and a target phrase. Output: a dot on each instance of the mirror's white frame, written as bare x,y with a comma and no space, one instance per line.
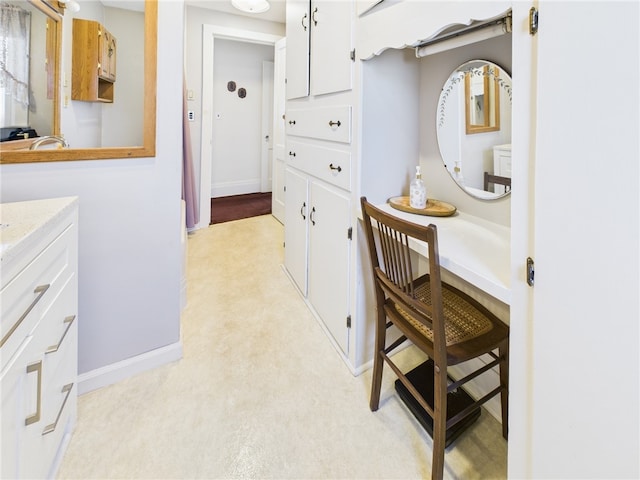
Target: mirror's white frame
148,149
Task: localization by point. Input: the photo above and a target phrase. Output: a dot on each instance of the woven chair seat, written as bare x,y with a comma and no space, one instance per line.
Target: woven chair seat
463,321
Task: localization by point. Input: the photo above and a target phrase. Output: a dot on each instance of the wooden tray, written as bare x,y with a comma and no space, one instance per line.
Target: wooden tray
434,208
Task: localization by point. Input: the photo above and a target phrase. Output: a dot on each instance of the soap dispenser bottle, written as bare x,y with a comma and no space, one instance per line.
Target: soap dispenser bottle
417,192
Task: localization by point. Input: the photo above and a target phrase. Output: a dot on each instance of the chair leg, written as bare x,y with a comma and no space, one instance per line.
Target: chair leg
378,360
439,422
504,382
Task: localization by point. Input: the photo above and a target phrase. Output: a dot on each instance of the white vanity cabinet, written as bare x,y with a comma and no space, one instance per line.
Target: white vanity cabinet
318,242
319,47
38,329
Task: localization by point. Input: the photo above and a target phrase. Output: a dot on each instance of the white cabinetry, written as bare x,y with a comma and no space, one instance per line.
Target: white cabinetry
319,148
318,234
38,331
319,47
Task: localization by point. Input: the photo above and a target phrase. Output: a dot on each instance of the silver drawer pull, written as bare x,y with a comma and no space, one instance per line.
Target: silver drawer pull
36,367
54,348
40,289
50,428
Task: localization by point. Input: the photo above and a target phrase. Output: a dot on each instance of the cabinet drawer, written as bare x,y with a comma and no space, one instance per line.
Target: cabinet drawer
325,123
328,164
31,292
58,329
59,411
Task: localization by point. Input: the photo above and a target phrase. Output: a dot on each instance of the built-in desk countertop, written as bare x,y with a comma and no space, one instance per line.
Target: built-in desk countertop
474,249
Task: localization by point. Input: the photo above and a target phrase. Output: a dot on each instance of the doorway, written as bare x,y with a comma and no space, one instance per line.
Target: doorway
210,121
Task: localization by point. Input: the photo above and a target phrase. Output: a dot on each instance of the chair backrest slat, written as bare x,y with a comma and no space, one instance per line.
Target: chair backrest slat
396,257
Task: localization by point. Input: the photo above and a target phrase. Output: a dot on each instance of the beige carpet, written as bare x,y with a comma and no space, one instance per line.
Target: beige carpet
260,392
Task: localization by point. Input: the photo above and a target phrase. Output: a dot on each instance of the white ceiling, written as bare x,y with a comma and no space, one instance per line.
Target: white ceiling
275,14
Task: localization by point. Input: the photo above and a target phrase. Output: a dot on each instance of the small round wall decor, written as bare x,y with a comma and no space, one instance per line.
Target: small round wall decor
242,92
231,86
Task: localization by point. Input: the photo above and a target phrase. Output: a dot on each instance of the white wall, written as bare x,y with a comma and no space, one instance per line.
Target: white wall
237,128
129,227
124,117
195,19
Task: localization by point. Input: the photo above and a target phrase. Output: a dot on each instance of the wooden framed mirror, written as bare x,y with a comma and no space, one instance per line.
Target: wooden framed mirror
19,152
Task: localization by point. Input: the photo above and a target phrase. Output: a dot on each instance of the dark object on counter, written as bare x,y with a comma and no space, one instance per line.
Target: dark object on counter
20,134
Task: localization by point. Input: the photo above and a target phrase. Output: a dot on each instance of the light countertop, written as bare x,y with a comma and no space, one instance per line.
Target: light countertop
472,248
22,224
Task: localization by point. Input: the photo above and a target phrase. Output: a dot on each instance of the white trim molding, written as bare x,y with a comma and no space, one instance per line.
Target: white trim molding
116,372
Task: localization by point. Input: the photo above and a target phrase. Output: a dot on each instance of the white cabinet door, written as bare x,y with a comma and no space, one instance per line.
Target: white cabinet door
13,381
329,259
295,234
331,45
319,44
297,62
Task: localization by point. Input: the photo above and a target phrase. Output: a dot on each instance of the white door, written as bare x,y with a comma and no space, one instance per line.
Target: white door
295,235
266,153
575,349
329,259
277,188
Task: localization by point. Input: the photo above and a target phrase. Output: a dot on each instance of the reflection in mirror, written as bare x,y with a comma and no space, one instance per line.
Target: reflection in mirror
29,36
482,100
119,143
474,129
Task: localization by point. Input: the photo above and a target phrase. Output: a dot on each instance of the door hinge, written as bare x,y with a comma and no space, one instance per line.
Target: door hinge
348,321
350,233
533,21
530,271
352,55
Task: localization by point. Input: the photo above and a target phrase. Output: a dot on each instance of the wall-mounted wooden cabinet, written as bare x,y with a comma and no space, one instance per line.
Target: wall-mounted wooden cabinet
93,69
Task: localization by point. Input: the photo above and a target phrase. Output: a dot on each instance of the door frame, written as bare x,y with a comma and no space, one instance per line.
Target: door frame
266,150
209,34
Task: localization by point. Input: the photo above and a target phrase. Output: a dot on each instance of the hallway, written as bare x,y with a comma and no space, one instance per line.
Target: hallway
260,392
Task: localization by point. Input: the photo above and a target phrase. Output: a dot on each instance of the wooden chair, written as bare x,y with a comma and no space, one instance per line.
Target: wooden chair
445,323
496,179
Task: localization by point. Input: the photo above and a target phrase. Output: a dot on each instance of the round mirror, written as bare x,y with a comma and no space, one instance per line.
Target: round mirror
474,129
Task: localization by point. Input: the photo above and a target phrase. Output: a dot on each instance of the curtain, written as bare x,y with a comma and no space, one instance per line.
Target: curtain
189,193
15,34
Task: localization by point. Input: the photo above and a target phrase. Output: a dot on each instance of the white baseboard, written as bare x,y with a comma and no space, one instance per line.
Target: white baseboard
235,188
116,372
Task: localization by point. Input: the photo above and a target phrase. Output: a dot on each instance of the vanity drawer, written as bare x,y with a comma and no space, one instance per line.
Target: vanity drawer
328,164
57,417
58,328
30,293
324,123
